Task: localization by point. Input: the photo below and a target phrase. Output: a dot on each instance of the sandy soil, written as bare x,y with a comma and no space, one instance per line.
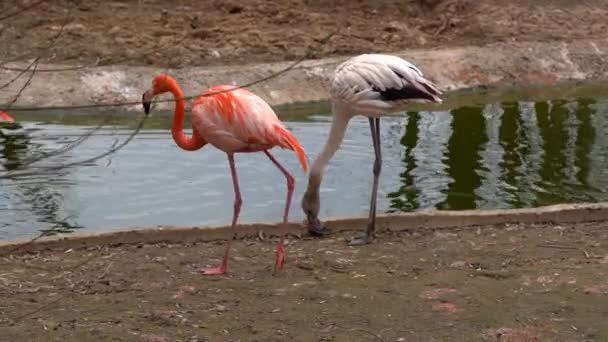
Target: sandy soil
181,32
490,283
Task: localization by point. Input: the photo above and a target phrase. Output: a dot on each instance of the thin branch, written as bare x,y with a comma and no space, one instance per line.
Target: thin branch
25,85
18,95
54,301
66,148
37,59
98,62
72,68
546,245
19,75
45,49
379,338
114,149
45,181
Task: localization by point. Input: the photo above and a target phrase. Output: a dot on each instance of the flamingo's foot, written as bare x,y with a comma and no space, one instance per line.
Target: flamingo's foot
316,228
359,239
278,264
213,270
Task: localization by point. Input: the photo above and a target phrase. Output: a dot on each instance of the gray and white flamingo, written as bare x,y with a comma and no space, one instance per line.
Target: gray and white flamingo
370,85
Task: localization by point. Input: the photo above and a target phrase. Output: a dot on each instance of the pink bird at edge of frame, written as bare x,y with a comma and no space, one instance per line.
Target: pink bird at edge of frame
6,118
7,121
233,120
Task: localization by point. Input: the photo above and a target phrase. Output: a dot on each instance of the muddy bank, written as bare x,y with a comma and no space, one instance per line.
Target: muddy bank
451,68
514,282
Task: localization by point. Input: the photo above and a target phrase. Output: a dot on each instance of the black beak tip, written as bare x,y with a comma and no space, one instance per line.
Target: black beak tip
146,105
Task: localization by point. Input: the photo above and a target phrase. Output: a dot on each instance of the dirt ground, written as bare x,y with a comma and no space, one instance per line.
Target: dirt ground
181,33
490,283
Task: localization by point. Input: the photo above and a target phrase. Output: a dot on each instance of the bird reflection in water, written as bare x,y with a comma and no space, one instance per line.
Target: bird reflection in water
42,194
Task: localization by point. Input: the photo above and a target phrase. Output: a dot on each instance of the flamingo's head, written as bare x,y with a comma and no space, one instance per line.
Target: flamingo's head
310,202
161,84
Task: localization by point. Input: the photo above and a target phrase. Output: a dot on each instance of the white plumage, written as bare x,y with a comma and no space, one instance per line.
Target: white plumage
369,85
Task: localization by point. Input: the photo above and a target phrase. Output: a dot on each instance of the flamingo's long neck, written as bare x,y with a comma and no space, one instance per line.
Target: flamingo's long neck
192,143
336,135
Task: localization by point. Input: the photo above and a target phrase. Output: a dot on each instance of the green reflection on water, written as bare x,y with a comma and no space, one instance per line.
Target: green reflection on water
46,202
463,158
545,155
405,197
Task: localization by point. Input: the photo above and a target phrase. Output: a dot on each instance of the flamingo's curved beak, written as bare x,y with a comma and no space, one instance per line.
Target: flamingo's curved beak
146,99
145,104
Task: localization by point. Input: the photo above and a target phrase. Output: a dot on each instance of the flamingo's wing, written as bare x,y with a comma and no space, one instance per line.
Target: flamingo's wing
242,116
373,82
237,113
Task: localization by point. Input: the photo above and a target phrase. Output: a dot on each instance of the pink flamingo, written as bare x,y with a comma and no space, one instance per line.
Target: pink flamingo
7,121
232,120
6,118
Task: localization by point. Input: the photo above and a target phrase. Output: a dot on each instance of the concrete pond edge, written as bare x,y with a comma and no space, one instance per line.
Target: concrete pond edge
423,221
504,63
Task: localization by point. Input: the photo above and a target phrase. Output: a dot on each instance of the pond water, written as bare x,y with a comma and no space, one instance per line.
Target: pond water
498,154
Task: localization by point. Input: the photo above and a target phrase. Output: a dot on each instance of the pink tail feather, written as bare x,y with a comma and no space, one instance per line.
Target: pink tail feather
287,140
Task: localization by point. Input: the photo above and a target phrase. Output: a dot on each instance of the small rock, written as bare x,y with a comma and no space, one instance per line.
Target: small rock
235,9
120,5
75,29
435,293
123,40
155,338
275,310
114,30
446,307
220,308
596,290
215,54
458,264
395,26
149,60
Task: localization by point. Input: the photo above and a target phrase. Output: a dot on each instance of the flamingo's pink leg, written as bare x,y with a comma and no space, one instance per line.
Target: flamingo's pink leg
237,209
290,186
